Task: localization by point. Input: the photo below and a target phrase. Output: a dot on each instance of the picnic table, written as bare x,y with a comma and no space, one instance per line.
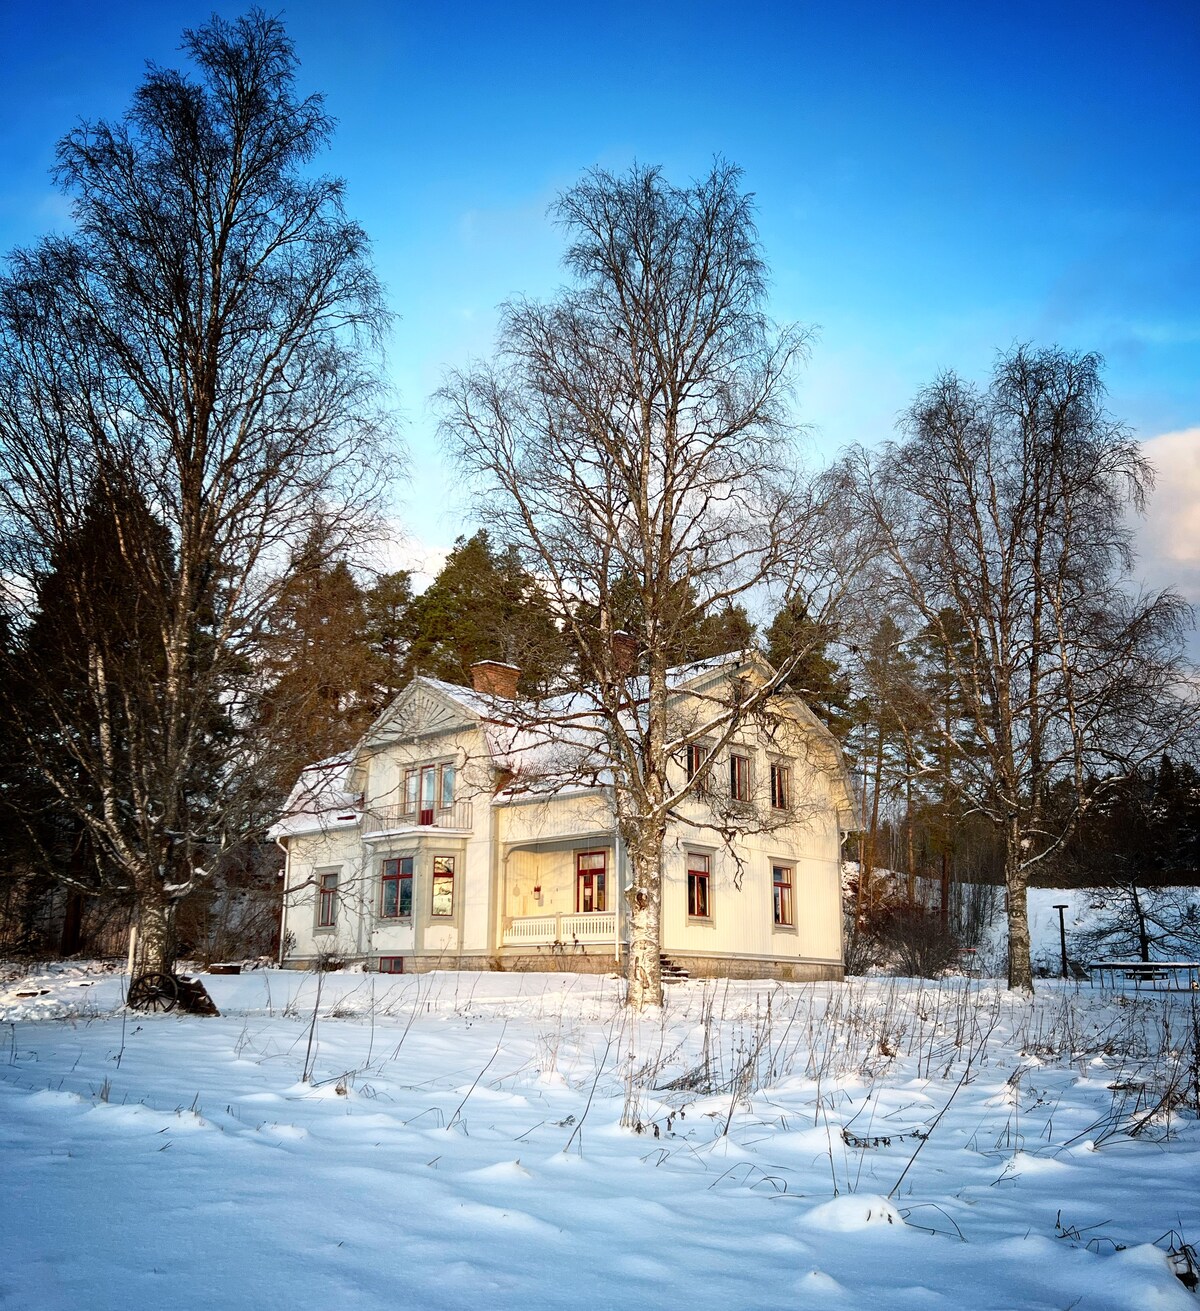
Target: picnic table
1170,975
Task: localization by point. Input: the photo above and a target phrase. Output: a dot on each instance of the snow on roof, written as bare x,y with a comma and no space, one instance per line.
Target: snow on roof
551,746
478,703
320,800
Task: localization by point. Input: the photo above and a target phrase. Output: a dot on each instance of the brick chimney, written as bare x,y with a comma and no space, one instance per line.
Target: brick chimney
494,678
625,654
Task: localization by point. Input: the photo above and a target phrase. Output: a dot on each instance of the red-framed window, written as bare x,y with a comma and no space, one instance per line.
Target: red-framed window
391,964
697,765
698,887
396,888
739,777
781,786
429,775
427,789
443,886
591,868
327,899
781,886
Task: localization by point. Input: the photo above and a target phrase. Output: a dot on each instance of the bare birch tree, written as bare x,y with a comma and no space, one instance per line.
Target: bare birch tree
1006,520
634,433
187,363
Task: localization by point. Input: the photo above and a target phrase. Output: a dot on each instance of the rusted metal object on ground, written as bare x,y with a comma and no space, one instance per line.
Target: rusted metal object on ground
162,992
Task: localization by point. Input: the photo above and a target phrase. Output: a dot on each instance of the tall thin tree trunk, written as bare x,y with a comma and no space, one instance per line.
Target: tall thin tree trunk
1016,879
945,905
866,867
1143,936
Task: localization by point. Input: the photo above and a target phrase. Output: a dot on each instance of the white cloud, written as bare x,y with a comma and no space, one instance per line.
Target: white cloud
1170,535
401,550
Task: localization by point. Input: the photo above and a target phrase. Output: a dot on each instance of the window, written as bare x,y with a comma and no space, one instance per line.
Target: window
391,964
428,793
589,881
781,787
699,905
443,886
739,777
781,878
396,883
327,899
427,789
697,765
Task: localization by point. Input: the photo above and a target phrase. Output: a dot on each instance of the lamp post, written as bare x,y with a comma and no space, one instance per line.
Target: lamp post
1062,934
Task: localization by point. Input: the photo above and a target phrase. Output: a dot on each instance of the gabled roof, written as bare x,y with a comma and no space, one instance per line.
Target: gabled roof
551,746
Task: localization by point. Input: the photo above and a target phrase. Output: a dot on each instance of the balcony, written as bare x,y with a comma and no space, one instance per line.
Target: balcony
547,930
395,819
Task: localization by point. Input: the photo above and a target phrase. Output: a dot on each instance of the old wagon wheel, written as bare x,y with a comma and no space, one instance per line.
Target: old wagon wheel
153,992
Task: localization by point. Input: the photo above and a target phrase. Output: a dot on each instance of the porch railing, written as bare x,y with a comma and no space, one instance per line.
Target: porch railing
546,930
390,819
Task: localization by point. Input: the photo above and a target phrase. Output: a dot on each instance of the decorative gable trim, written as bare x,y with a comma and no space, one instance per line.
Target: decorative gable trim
420,711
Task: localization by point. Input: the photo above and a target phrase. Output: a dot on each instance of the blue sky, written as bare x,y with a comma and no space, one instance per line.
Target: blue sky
934,181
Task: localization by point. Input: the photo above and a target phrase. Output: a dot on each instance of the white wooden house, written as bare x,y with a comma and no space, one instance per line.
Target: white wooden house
445,841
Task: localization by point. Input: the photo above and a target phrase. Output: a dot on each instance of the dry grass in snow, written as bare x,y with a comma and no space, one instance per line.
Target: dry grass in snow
520,1141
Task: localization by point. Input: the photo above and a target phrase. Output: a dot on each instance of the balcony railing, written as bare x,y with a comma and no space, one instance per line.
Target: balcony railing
394,819
546,930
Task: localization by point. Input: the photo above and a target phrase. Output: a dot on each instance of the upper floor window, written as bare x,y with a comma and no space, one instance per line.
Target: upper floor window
739,777
781,786
697,764
327,898
428,788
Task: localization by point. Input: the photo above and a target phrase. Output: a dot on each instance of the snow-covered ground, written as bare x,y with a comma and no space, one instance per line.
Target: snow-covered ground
459,1144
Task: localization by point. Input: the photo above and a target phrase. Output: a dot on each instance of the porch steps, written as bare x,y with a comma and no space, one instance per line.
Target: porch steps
672,973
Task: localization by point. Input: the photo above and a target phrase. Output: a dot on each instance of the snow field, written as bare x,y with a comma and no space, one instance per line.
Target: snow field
519,1141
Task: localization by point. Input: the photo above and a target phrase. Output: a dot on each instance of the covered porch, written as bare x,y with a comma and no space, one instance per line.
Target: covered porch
563,892
566,930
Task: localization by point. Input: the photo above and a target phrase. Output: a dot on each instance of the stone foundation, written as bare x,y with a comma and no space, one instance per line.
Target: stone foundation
742,967
579,960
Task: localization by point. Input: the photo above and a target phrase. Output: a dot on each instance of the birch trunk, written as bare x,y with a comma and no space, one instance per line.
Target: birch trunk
645,922
1016,879
155,951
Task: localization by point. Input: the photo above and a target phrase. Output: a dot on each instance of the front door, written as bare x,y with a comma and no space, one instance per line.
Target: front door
590,882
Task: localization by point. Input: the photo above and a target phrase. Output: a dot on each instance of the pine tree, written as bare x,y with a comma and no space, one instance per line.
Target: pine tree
320,670
389,619
817,678
484,606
